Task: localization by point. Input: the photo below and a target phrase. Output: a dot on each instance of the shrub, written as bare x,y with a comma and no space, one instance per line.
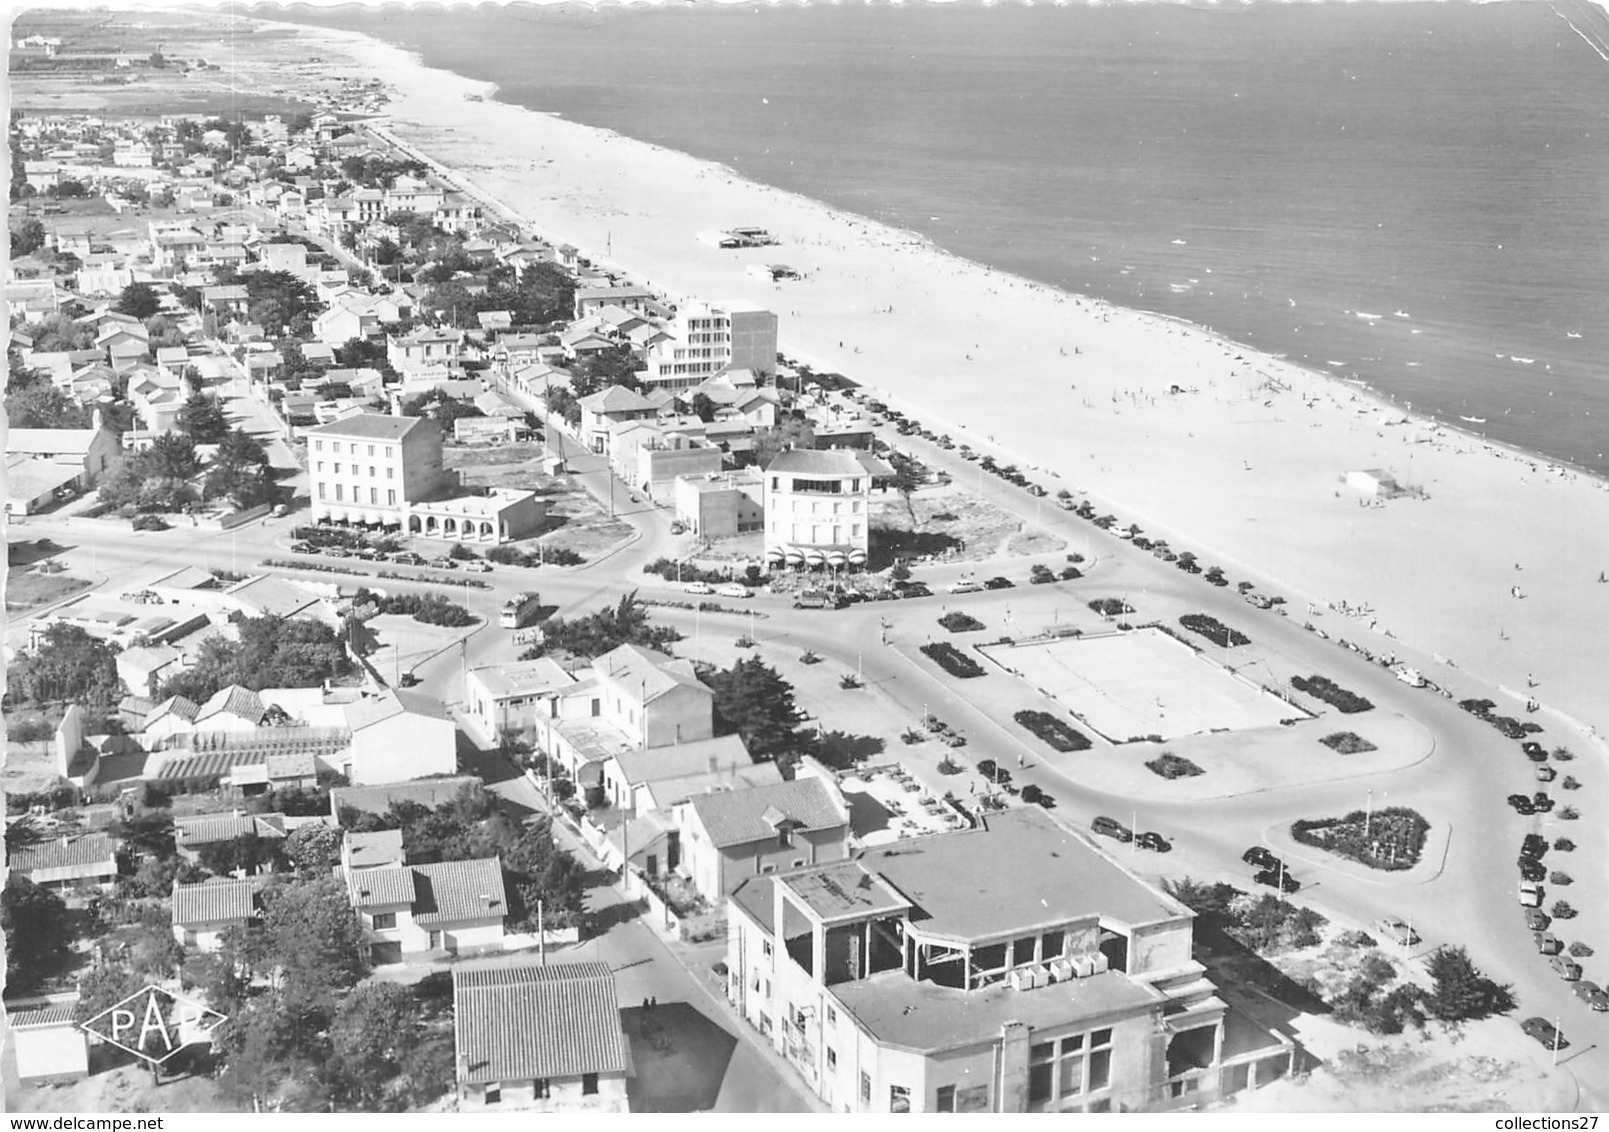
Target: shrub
150,523
957,622
1557,877
1564,845
1323,688
1570,783
562,556
1581,950
673,570
1347,743
1214,630
947,766
1111,606
505,555
459,552
1171,766
1052,730
1395,837
952,660
1032,794
1569,813
1563,910
431,609
1460,991
1562,754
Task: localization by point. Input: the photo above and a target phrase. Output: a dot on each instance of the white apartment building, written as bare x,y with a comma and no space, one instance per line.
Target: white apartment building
367,468
816,505
705,340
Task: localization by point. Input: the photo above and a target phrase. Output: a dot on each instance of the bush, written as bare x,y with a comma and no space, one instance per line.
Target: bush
1570,783
1563,910
1347,743
461,553
1111,606
1581,950
505,555
1557,877
1032,794
1564,845
948,766
952,660
1395,838
673,570
431,609
1562,754
1214,630
1057,732
1171,766
562,556
1323,688
150,523
958,622
1569,813
1460,991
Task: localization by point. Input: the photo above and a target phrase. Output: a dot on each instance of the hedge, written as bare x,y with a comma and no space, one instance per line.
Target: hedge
958,622
1171,766
1052,730
1323,688
1348,743
952,660
1214,630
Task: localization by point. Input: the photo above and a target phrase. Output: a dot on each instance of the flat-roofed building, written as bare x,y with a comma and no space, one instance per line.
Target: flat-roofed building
705,340
1010,968
720,506
49,1045
502,698
500,515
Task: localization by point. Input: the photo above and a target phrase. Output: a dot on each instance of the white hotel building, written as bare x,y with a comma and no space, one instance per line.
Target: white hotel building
705,340
816,504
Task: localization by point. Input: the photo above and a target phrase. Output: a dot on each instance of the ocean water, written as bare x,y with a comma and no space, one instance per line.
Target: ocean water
1415,195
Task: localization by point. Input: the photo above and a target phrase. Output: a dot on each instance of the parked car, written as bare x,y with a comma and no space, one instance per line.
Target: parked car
1546,774
1521,804
1537,920
1533,870
1111,827
916,589
1397,931
1547,943
1534,751
442,562
303,548
1534,845
407,558
1530,895
1035,490
1153,841
1259,855
1565,967
479,566
698,588
1591,994
1541,802
998,583
1278,878
965,586
738,589
1545,1032
337,552
364,554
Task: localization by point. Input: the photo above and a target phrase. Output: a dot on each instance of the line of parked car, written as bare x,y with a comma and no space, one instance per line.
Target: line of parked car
1150,839
400,558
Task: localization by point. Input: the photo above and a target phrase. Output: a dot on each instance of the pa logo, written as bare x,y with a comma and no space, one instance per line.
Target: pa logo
154,1023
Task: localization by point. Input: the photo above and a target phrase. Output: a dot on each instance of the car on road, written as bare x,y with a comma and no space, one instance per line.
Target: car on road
444,563
916,589
1547,943
366,554
1545,1032
1541,802
281,510
1397,931
409,680
965,586
1533,870
478,565
1522,805
1591,993
1153,841
1546,774
1531,895
999,583
734,589
303,548
1534,751
1537,920
1260,855
337,552
407,558
1111,827
1534,845
1565,967
1278,878
698,588
1035,490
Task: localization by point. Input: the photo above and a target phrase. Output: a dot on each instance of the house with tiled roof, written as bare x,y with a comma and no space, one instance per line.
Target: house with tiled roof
398,736
49,1044
659,778
233,708
63,863
173,716
144,669
536,1038
203,912
731,835
192,832
452,907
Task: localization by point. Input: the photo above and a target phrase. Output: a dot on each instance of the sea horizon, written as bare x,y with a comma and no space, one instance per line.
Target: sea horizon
1479,310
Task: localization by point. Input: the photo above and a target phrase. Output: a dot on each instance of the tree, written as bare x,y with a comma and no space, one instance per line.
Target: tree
42,405
106,985
1460,991
313,849
202,420
157,60
67,663
272,652
703,407
378,1023
790,433
906,481
247,853
754,700
313,943
27,239
240,471
37,930
139,300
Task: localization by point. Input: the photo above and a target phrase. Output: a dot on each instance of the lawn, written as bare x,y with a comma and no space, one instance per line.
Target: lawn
25,591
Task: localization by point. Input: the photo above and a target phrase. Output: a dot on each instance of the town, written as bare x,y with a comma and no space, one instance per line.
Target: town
485,681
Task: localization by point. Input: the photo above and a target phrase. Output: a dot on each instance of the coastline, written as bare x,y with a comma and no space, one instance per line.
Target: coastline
1244,466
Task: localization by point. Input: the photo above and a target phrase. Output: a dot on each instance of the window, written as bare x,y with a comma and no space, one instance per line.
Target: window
337,469
899,1099
321,491
318,445
374,496
335,446
388,472
1100,1059
540,1088
589,1084
1041,1072
371,470
321,465
832,1016
865,1087
371,450
388,451
391,498
494,1094
384,921
338,496
945,1101
785,836
832,1058
765,948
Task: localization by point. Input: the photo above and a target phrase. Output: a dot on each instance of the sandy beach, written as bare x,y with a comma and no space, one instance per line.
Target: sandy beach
1216,447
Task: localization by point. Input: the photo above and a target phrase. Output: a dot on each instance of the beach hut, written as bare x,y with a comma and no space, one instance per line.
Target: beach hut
1373,481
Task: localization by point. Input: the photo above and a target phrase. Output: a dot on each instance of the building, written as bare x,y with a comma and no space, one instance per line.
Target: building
144,670
500,515
608,408
816,505
704,340
1374,482
720,506
729,836
49,1045
233,708
367,468
638,300
66,863
540,1038
204,912
88,451
659,778
452,908
651,458
192,833
502,698
1010,968
397,736
424,353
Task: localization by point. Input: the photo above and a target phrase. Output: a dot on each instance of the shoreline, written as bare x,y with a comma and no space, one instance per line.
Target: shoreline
588,201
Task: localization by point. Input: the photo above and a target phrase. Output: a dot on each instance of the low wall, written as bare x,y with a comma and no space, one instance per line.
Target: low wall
234,519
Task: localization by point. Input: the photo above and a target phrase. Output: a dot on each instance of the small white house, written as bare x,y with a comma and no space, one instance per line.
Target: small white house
1373,481
49,1046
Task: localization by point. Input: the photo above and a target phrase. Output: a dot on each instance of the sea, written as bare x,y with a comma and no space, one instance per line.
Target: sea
1412,196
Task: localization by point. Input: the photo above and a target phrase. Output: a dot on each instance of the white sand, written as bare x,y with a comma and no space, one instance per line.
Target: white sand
1243,470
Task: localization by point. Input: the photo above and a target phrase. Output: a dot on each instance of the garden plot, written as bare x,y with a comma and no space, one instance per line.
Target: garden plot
1141,683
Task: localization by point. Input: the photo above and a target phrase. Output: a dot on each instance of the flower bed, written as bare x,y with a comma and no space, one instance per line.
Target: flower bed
1052,730
958,622
1389,840
1323,688
1348,743
1170,766
1110,606
1214,630
952,660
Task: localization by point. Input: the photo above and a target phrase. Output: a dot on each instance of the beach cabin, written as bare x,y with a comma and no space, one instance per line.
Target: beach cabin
1373,482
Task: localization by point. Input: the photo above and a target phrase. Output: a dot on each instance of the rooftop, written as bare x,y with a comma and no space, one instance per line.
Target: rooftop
829,462
379,887
738,817
428,792
367,850
368,426
458,890
62,853
203,829
617,399
536,1022
523,677
391,702
725,752
213,901
651,674
51,441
